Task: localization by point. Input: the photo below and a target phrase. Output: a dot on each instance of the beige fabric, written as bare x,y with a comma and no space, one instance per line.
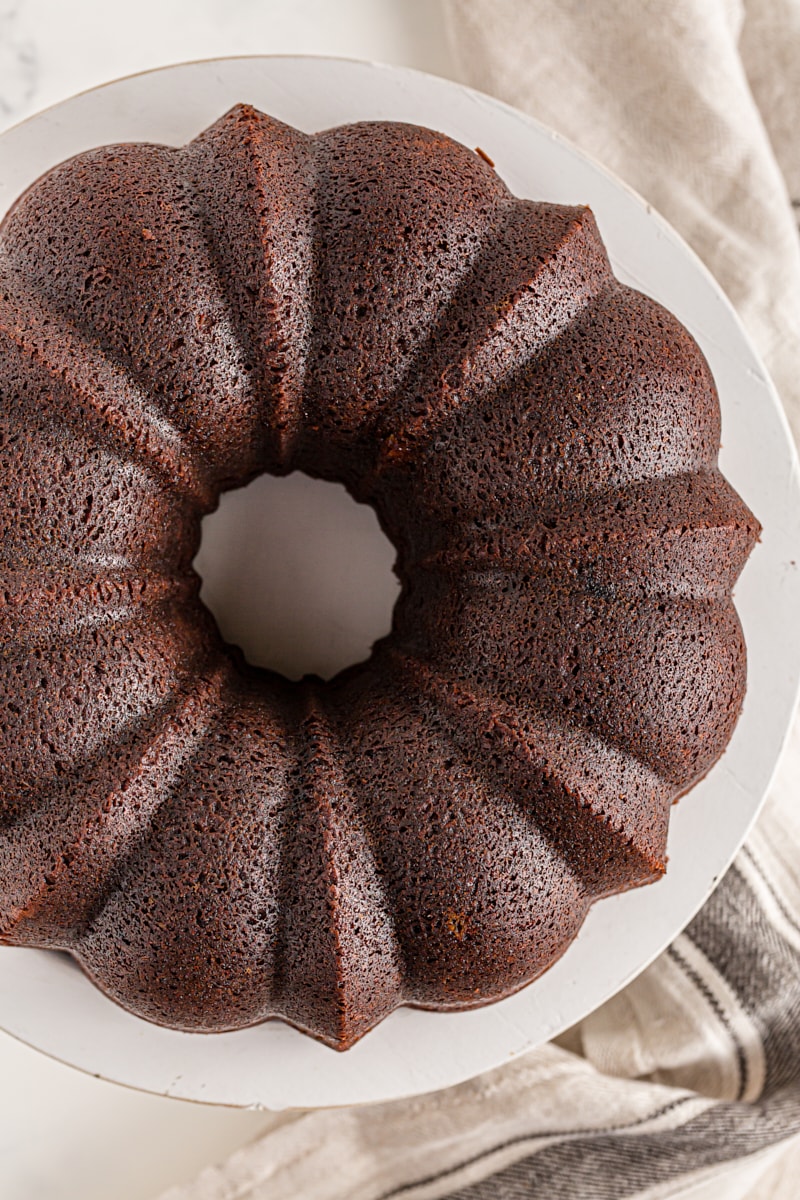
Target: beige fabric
694,103
363,1153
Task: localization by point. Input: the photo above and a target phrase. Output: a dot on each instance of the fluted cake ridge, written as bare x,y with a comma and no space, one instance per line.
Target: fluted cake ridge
215,844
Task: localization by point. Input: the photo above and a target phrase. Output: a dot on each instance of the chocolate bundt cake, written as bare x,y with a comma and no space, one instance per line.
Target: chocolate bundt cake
215,844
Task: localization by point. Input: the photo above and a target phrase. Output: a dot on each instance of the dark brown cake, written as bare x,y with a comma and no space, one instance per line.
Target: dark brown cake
215,844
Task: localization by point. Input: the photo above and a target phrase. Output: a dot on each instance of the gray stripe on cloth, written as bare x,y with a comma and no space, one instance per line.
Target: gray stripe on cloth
719,1009
758,867
610,1168
763,969
405,1188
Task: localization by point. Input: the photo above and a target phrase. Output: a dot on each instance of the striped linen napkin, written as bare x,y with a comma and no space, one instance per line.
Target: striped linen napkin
688,1082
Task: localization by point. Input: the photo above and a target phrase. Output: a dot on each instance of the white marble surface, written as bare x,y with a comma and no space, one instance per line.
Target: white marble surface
50,49
63,1135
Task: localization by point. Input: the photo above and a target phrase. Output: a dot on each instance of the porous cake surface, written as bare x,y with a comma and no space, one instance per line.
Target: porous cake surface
214,844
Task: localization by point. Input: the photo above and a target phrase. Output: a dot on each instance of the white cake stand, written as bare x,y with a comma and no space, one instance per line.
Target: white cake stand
44,998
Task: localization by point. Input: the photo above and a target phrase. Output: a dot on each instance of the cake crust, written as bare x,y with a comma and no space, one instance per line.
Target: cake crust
214,844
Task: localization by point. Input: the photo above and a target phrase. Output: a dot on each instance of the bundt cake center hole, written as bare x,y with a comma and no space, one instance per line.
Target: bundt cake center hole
298,574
